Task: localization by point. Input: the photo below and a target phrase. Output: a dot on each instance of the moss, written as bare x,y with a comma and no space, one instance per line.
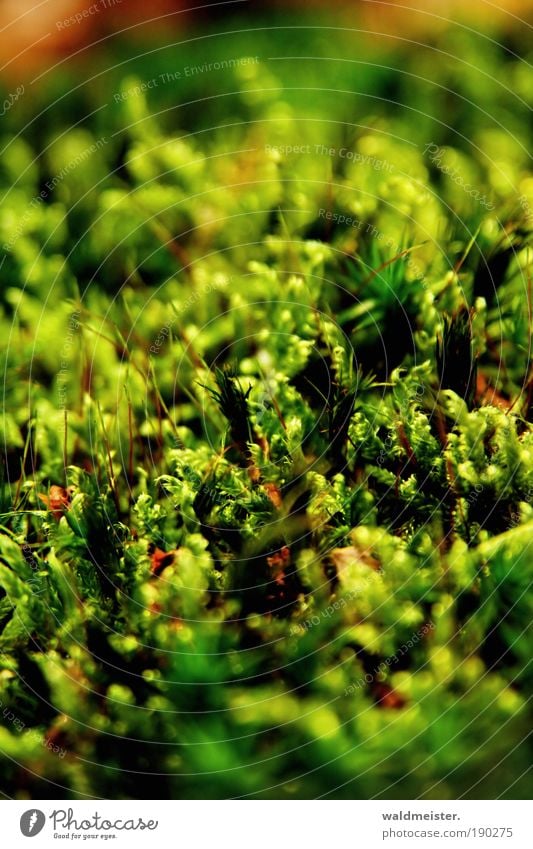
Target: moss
267,448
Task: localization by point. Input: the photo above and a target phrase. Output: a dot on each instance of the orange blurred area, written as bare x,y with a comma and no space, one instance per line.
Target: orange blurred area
35,35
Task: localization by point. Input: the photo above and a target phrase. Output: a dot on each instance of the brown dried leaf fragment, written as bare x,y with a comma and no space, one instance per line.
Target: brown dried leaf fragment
159,560
278,562
343,557
274,494
386,697
487,394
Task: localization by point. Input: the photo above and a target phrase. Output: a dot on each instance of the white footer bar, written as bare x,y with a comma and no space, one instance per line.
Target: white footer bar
267,824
